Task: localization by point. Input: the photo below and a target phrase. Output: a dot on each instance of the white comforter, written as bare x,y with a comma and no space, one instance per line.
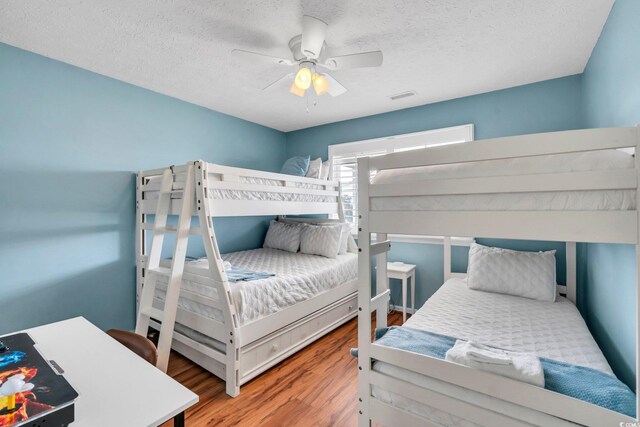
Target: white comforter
298,277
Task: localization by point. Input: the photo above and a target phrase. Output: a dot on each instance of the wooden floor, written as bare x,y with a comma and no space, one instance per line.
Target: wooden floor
315,387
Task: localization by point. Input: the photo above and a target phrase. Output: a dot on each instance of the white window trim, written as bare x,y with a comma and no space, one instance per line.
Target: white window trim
429,138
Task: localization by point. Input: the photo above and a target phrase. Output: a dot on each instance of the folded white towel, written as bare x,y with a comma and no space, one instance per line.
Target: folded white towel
525,367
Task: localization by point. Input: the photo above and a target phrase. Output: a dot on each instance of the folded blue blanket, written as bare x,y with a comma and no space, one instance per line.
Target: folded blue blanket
580,382
235,274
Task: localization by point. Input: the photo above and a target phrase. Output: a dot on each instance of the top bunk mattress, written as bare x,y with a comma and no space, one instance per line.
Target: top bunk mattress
531,201
298,277
256,194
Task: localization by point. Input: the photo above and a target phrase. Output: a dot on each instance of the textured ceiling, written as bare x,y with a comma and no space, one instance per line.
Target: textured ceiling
442,49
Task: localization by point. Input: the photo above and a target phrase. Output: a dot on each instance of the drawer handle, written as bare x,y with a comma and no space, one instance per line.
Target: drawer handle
274,348
350,307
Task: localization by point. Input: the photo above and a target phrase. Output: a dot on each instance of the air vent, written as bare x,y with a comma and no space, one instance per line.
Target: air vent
402,95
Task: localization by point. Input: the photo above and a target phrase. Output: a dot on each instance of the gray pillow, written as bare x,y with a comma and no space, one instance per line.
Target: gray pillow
320,240
283,236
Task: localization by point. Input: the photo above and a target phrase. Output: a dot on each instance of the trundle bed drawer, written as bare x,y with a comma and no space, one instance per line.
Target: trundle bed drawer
287,340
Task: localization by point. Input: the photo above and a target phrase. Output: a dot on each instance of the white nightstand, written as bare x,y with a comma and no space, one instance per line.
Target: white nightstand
404,272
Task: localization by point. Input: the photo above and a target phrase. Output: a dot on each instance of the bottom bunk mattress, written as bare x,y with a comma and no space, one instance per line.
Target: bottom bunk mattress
297,277
551,330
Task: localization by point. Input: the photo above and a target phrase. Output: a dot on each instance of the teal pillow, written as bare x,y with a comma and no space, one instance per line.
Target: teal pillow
297,165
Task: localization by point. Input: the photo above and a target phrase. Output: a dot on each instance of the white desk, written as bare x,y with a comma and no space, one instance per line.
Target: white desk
404,272
116,386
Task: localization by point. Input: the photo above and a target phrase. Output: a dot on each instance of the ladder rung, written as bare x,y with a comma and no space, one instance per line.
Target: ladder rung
154,313
192,230
172,191
381,247
169,228
160,271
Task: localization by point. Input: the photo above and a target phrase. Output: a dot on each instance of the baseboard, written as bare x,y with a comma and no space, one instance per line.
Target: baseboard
399,308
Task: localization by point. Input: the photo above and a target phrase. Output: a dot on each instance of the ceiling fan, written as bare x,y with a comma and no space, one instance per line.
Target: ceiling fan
309,55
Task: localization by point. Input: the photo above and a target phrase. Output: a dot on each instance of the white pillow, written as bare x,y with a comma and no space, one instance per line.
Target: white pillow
315,168
525,274
344,238
321,240
324,171
345,235
283,236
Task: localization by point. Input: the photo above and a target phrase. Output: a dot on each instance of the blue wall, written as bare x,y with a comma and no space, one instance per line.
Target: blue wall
611,85
611,91
70,142
541,107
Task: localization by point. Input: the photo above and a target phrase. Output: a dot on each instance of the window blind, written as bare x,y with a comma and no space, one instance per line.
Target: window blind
345,170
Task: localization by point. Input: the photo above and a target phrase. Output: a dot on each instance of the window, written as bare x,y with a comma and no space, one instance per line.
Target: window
343,157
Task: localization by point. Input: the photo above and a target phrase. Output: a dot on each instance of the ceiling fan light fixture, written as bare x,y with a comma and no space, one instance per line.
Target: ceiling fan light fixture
308,55
296,90
320,84
303,78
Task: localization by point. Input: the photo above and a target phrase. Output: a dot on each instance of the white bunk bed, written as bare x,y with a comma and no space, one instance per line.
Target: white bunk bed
238,330
585,192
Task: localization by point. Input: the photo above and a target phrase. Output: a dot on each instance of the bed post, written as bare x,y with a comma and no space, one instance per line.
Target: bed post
637,161
571,271
364,294
382,282
340,207
447,258
141,237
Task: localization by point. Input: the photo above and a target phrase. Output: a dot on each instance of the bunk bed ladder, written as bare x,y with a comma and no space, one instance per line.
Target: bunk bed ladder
146,311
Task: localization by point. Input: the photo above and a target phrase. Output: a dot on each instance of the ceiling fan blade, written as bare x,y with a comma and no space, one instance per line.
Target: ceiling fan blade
261,57
287,78
335,88
356,60
314,32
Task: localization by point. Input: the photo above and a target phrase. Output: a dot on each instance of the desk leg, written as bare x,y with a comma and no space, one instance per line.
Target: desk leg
178,420
404,300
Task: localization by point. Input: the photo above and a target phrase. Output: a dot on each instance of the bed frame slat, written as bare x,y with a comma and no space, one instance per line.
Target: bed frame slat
452,404
563,226
239,186
221,170
391,416
569,181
